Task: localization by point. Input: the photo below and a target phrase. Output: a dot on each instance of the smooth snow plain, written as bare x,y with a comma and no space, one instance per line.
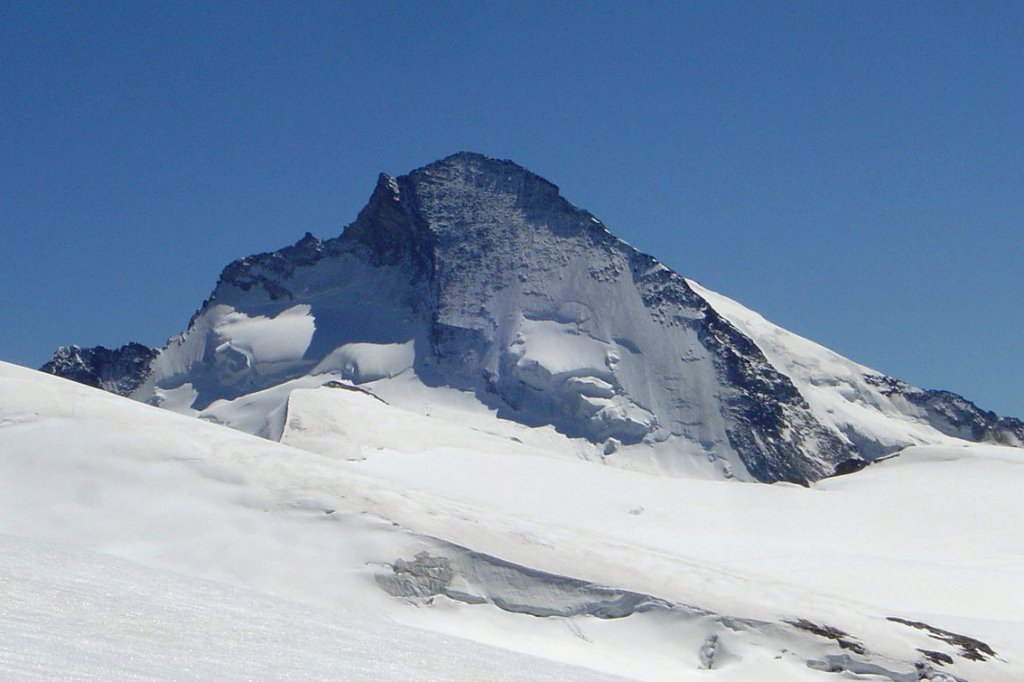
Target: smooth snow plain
140,544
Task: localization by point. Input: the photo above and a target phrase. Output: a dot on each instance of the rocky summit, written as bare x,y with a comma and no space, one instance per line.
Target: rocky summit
474,275
120,370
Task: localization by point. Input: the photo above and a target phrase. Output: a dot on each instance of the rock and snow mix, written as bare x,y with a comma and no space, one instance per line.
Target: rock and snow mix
436,391
475,274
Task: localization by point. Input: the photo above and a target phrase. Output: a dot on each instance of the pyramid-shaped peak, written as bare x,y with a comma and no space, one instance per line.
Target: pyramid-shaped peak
466,159
474,274
466,156
477,201
482,171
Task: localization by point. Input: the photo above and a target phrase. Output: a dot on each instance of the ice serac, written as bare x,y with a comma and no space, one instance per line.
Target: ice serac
475,274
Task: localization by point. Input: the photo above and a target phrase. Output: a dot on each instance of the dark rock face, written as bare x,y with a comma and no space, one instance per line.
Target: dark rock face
954,415
850,466
970,648
120,370
246,273
770,416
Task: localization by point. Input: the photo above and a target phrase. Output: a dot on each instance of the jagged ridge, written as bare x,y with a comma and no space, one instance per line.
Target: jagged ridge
121,370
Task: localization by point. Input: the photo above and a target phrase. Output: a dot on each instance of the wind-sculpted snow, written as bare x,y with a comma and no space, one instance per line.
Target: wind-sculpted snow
476,275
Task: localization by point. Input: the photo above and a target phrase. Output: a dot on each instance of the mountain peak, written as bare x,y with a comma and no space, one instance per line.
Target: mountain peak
466,156
479,173
466,159
475,274
467,198
383,225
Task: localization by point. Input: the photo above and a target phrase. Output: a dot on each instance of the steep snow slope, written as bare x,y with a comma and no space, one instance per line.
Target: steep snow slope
622,572
475,274
875,413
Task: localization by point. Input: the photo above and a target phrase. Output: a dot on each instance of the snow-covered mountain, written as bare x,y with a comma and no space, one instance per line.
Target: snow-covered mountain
434,390
473,282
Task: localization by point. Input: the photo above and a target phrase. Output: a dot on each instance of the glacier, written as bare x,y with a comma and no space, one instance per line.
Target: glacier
131,535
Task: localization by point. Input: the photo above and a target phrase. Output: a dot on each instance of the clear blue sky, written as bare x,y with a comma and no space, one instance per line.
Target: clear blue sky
854,171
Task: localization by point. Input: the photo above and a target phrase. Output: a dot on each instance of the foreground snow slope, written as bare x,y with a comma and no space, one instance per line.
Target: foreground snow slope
622,572
86,477
916,533
78,615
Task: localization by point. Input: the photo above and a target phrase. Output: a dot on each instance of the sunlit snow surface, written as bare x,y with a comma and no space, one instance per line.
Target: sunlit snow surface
836,388
139,543
75,615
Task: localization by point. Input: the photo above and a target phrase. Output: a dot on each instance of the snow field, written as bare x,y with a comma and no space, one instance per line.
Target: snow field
90,473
